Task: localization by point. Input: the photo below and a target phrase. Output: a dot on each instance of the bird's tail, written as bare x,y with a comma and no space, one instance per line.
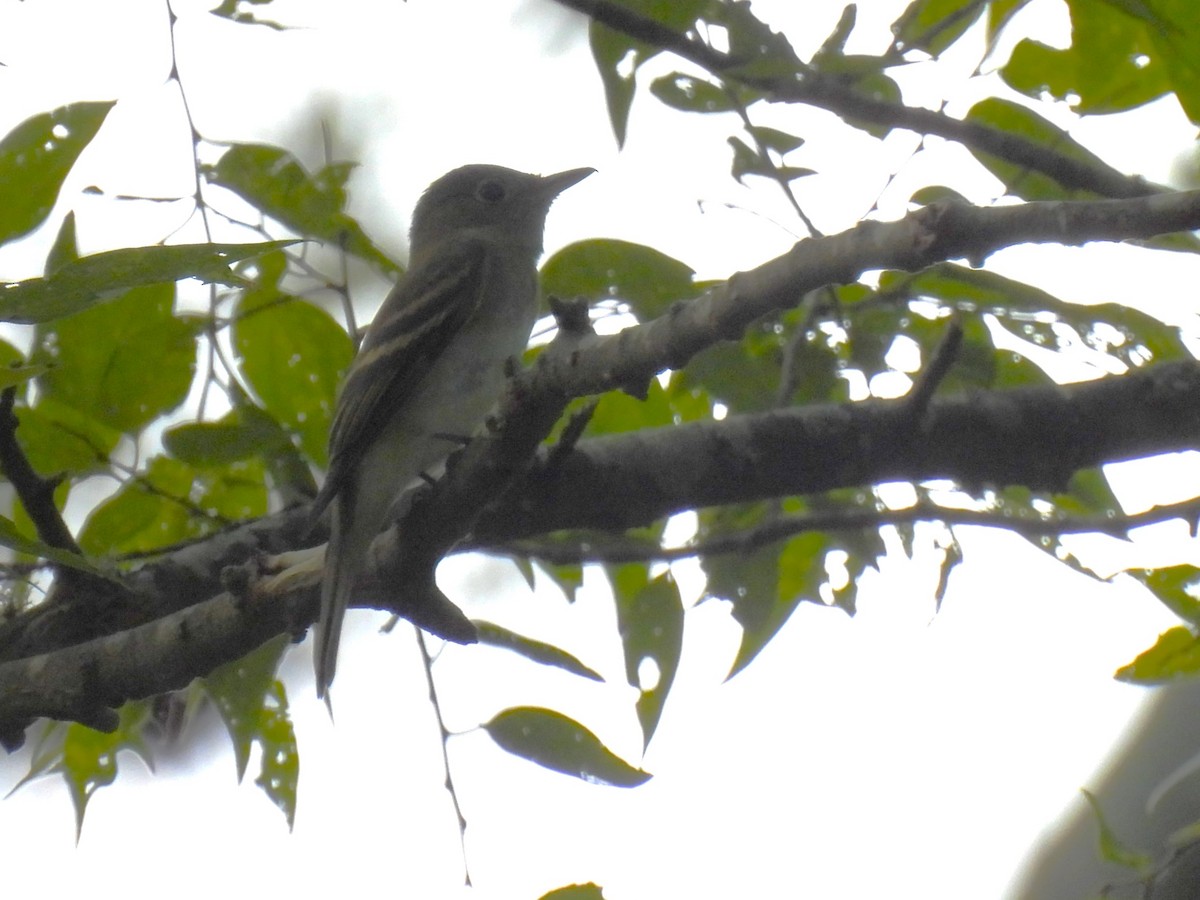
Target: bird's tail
340,571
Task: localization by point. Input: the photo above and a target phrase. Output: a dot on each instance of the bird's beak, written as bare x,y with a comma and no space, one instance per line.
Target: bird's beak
553,185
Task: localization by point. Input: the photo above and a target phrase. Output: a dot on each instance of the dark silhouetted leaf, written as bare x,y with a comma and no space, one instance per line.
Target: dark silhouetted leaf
538,651
556,742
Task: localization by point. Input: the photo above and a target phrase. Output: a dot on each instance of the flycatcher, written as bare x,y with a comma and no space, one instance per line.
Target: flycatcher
432,363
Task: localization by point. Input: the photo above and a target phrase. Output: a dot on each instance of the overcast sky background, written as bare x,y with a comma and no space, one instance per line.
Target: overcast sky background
898,748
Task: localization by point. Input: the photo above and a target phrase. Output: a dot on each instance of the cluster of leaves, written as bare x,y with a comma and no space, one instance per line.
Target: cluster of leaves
806,355
100,323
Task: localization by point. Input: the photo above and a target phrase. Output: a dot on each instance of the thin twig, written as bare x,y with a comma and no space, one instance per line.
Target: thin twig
445,735
607,549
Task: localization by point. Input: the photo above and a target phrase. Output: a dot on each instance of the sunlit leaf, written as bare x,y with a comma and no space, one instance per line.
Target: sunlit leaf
11,537
588,891
1176,653
1175,587
103,276
293,355
59,439
609,269
273,181
100,358
88,759
253,706
35,158
933,25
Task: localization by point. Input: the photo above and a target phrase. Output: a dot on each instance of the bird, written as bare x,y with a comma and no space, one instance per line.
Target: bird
432,363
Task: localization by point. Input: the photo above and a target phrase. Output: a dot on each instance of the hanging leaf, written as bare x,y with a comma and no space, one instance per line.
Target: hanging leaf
556,742
540,652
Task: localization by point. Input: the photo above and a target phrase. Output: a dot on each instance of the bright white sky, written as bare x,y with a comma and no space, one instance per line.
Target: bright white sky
853,756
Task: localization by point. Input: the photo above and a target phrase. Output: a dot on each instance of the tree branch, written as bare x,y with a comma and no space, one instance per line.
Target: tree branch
815,88
602,548
1035,436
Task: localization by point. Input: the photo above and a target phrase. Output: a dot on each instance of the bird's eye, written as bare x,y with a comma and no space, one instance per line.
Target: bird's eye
490,191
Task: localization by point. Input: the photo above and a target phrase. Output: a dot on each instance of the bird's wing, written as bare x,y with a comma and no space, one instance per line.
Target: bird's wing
419,316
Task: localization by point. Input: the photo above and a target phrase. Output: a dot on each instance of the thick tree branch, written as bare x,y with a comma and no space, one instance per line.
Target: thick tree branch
36,493
1036,437
936,233
1033,436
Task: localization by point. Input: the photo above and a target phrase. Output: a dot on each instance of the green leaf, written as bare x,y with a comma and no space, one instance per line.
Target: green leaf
560,744
172,502
617,413
88,759
272,181
568,577
618,56
1000,13
835,44
746,376
587,891
238,690
1032,313
609,269
245,433
65,248
774,139
11,537
236,436
617,59
690,94
764,583
1175,587
35,158
293,355
758,50
100,358
59,439
280,775
1112,849
1175,36
748,161
1088,494
1097,73
1012,118
103,276
231,9
253,706
540,652
801,572
1176,653
933,25
650,622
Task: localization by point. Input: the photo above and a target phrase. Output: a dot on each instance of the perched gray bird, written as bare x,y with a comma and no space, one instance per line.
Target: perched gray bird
432,363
